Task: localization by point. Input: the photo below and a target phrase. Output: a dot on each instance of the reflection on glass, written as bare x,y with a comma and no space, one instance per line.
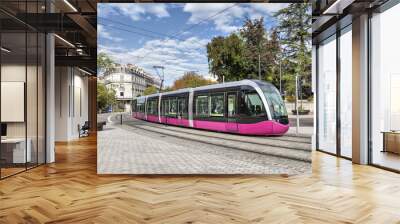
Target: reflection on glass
385,86
202,106
346,93
15,150
217,105
254,105
327,95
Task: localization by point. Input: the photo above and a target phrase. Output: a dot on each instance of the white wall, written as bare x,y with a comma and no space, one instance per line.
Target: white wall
71,103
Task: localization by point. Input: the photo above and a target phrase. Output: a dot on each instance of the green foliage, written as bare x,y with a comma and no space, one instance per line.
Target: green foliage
190,80
294,29
104,61
284,51
105,97
236,56
150,90
167,89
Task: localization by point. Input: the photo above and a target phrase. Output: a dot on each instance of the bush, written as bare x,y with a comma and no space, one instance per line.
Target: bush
290,99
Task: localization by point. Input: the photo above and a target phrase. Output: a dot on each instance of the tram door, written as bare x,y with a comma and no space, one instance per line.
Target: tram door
231,124
181,107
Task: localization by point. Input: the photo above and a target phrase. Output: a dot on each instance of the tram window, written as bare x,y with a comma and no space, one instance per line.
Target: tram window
202,106
165,107
172,107
148,105
217,105
182,105
231,105
134,109
253,105
152,107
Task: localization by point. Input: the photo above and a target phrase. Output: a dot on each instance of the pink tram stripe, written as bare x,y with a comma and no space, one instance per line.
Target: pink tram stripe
261,128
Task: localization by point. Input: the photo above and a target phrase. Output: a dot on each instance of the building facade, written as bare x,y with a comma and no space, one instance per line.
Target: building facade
128,81
356,78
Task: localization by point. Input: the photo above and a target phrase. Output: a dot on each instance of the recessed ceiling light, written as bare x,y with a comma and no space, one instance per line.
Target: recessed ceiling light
5,50
64,40
70,5
84,71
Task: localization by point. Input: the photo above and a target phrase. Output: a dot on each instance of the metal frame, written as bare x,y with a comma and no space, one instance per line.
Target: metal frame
44,74
338,152
387,5
381,9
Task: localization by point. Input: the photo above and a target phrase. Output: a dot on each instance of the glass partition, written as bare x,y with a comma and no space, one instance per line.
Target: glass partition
22,95
385,89
14,145
346,92
327,95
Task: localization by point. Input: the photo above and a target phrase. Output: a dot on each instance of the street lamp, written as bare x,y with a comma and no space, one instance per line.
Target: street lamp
161,76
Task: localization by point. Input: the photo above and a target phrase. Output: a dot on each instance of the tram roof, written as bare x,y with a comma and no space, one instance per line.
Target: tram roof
209,87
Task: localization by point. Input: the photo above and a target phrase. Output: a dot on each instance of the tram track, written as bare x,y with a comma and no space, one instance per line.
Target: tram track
264,149
273,141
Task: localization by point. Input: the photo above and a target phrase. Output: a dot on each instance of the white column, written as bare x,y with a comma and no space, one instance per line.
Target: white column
360,90
50,99
314,90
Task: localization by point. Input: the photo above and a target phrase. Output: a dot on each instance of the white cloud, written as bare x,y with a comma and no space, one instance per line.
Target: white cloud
225,21
176,56
136,11
103,33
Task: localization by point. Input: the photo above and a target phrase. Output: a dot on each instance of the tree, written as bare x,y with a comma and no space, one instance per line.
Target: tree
104,61
191,80
150,90
256,43
167,89
237,56
105,97
294,26
226,58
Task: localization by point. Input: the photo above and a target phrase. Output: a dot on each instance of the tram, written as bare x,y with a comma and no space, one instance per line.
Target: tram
247,107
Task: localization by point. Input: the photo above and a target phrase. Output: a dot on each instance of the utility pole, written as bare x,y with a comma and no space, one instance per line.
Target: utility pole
297,109
280,76
259,66
161,76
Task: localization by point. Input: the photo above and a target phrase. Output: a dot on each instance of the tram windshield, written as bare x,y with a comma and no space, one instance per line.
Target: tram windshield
276,104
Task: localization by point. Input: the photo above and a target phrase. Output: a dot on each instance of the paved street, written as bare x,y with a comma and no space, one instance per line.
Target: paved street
139,147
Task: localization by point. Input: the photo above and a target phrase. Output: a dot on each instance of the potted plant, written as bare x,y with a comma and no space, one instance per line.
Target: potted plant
302,111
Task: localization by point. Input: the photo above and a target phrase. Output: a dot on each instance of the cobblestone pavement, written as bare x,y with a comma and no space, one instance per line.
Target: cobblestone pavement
124,149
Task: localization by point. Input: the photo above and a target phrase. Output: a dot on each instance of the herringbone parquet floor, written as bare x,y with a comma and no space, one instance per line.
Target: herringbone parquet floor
70,191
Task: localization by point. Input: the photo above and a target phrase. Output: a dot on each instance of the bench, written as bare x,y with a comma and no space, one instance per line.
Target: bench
100,125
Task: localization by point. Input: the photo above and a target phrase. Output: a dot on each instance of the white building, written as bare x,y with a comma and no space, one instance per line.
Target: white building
128,81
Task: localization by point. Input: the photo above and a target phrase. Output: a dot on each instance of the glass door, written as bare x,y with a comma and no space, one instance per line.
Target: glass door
231,124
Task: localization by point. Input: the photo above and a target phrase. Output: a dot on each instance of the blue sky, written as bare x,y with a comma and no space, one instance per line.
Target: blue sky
146,34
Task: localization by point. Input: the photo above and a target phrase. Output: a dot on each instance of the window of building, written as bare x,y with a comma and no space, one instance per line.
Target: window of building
121,94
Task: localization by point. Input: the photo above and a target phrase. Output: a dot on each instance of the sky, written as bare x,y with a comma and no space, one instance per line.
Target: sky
172,35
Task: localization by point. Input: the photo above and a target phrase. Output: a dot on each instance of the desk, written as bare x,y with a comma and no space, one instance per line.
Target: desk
16,147
391,141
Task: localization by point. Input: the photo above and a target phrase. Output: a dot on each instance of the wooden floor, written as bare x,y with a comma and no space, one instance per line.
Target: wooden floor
70,191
